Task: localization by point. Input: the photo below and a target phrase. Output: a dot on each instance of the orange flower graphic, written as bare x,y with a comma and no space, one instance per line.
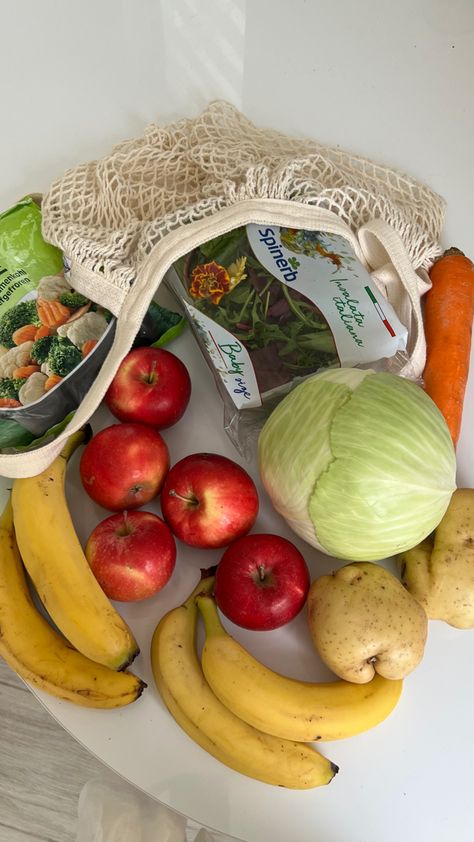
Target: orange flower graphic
209,280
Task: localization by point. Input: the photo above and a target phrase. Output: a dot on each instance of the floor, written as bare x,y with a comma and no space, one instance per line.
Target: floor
42,769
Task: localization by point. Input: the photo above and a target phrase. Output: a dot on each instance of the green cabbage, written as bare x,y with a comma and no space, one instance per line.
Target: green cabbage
360,464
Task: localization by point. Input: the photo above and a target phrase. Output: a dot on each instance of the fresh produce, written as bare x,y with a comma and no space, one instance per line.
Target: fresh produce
132,555
39,654
124,466
209,723
448,315
152,386
361,465
209,500
54,559
439,572
294,710
363,621
283,331
262,582
159,326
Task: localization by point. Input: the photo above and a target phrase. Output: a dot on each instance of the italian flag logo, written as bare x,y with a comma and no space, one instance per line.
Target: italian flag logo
379,311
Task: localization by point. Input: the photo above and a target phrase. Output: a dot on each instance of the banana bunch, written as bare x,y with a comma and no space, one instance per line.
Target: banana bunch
82,666
294,710
247,716
211,724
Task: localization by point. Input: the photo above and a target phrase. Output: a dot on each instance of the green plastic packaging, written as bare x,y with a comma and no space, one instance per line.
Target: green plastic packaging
25,257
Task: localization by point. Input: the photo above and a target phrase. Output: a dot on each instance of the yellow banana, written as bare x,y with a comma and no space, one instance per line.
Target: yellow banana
38,653
54,559
284,707
206,720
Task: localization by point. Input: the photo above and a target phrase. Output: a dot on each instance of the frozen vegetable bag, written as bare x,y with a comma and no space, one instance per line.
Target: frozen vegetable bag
53,339
126,219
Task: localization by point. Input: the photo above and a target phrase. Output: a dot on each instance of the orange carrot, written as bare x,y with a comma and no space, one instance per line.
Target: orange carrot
9,402
27,333
88,346
52,313
449,311
44,330
51,382
25,370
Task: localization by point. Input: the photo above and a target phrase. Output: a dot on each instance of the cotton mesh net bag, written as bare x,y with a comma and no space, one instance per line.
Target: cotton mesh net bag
123,220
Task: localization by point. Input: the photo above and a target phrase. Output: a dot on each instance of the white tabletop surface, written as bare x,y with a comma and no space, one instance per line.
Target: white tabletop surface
393,81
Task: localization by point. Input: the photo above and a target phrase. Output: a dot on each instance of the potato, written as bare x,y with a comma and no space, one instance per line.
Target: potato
363,621
439,572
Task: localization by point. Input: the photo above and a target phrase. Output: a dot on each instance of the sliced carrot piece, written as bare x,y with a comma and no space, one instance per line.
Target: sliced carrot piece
25,370
9,402
88,347
52,313
42,331
51,382
26,333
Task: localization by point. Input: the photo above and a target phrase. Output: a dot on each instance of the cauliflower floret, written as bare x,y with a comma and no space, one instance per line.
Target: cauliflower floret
86,327
51,286
33,388
46,369
14,358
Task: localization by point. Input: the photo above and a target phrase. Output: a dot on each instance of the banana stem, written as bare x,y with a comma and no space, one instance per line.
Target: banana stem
205,586
82,436
6,518
208,609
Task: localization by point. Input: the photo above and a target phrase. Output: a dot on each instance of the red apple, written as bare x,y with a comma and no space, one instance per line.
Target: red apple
124,466
152,386
262,582
132,555
209,500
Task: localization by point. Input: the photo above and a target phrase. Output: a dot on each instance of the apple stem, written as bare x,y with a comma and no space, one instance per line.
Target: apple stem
151,376
261,572
191,500
126,529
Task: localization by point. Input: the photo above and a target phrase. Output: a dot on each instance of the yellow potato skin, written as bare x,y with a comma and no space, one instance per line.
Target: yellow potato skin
439,572
363,621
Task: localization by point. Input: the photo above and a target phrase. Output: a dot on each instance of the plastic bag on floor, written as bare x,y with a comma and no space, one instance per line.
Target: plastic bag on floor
110,810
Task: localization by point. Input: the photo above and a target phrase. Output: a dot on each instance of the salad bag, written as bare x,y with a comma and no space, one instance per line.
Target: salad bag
124,221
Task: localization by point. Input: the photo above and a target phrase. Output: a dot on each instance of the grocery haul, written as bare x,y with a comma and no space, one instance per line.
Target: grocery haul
353,447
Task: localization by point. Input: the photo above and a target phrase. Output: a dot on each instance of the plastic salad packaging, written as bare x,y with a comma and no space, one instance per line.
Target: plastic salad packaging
53,340
270,306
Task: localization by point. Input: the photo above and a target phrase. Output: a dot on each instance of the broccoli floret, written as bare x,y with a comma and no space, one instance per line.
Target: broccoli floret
40,349
63,356
73,299
10,387
24,313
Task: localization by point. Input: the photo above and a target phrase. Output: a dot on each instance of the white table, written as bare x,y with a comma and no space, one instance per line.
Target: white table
390,81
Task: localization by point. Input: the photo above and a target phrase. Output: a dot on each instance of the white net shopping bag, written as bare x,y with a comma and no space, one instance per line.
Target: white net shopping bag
122,221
